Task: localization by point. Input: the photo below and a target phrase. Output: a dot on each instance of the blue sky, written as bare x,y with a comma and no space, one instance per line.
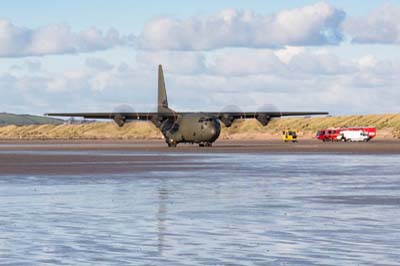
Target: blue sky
339,56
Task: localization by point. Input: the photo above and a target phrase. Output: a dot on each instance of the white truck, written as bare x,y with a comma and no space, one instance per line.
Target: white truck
353,135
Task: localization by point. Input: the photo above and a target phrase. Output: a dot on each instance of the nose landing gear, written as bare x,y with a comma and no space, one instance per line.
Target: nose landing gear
171,143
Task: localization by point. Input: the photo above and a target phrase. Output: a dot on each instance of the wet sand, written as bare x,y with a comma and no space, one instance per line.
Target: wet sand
238,203
379,146
113,157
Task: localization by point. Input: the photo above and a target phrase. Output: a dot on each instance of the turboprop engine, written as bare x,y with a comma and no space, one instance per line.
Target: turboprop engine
227,120
263,119
119,119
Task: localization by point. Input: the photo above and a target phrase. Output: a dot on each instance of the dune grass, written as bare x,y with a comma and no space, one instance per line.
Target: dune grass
387,126
100,130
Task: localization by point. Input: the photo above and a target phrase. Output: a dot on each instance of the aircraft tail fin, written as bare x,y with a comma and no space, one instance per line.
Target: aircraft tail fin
162,105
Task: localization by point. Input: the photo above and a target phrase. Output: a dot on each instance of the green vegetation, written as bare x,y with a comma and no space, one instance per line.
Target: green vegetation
388,127
12,119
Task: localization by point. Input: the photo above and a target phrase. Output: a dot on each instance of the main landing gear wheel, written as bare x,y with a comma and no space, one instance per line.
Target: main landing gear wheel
207,144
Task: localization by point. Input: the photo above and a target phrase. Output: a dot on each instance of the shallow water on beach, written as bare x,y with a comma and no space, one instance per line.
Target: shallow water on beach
214,209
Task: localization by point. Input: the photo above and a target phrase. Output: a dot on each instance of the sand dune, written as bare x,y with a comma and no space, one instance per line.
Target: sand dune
388,127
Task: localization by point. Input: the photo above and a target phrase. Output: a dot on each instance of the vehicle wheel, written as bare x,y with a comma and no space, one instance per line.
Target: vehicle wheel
172,144
201,144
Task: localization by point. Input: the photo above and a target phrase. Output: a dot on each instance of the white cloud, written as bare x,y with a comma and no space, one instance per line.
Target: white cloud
69,81
380,26
246,62
319,62
175,62
27,65
209,62
286,54
308,80
98,63
18,41
317,24
367,61
287,62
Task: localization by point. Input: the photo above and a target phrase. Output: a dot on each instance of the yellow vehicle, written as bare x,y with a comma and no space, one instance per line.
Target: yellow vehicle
289,136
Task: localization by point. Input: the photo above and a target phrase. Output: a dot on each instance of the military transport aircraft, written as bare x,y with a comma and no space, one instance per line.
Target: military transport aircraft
202,128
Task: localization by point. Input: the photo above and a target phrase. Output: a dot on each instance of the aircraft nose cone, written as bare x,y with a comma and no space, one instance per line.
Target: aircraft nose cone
215,130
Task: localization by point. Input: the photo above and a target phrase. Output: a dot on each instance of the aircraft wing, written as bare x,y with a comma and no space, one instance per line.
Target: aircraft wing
112,115
149,115
244,115
119,117
263,117
226,117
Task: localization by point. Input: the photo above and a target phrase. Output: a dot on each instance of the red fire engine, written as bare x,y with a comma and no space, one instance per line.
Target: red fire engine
331,134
